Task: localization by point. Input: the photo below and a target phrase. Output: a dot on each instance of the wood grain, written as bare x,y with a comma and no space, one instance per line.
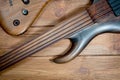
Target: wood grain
99,61
82,68
10,13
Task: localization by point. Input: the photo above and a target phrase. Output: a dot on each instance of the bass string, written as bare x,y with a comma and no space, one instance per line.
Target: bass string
41,38
43,41
22,57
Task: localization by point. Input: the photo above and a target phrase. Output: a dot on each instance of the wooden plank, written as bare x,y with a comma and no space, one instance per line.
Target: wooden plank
82,68
106,44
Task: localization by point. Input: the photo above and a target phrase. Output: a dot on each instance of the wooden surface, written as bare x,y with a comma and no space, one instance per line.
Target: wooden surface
99,61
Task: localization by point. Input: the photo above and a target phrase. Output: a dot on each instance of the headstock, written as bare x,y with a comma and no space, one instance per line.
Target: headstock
17,15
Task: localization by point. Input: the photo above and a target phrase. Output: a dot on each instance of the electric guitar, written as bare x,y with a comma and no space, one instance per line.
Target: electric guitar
103,16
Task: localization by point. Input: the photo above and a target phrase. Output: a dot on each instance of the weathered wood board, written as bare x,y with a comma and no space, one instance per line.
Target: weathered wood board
99,61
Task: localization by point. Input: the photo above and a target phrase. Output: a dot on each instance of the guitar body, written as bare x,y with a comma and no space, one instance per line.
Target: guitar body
16,15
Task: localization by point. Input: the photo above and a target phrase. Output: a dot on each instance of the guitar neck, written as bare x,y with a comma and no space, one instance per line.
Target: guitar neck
62,30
